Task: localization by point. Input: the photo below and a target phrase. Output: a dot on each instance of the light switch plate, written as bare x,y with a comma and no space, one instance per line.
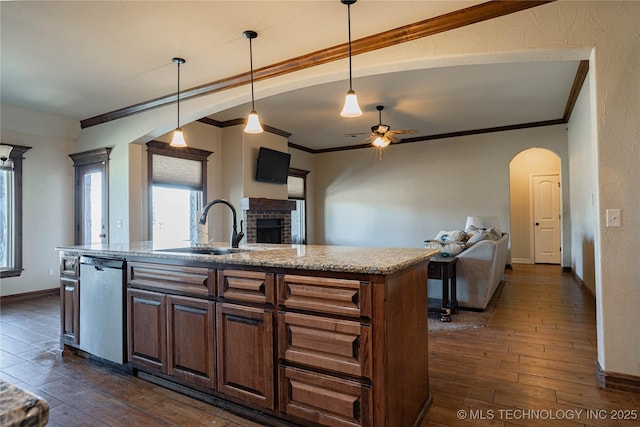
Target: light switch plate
613,218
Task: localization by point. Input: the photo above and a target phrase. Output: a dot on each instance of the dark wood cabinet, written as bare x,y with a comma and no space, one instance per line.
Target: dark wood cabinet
307,347
70,300
245,354
191,340
147,329
324,399
70,310
172,334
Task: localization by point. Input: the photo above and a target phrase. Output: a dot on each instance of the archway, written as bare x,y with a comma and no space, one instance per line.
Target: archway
524,168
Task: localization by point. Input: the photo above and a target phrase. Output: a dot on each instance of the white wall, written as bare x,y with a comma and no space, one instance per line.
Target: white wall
582,168
47,210
418,189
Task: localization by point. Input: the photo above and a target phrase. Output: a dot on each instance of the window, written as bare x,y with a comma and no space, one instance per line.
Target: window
11,213
177,190
297,188
91,196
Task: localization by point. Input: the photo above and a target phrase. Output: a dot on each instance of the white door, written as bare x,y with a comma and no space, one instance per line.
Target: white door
546,216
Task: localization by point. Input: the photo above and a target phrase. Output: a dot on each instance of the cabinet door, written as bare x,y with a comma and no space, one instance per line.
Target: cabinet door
245,354
70,311
191,340
147,325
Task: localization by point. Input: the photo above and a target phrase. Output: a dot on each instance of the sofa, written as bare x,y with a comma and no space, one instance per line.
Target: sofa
481,262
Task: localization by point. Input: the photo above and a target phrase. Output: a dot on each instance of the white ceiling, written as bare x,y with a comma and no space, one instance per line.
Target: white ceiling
80,59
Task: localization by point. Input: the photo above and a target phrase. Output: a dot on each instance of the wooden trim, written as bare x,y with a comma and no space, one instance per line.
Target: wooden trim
53,292
617,381
98,155
406,33
240,121
578,81
580,281
446,135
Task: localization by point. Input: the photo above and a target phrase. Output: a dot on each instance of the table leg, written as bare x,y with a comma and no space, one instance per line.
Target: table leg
454,297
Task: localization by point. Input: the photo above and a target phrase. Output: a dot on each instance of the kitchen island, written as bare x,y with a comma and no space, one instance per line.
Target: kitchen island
298,334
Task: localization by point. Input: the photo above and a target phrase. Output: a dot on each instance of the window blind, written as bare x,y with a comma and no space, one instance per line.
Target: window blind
176,172
295,186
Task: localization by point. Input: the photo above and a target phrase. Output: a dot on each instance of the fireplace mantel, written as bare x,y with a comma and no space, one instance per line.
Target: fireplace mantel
262,204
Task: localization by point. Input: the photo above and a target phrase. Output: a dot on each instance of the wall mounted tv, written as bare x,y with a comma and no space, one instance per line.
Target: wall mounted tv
273,166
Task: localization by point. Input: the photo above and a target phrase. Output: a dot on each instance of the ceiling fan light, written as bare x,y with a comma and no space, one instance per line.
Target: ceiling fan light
178,139
253,123
381,142
351,107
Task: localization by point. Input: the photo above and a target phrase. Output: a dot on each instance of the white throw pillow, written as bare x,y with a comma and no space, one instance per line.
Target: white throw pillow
451,236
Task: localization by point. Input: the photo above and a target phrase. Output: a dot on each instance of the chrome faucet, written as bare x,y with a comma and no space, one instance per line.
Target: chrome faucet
235,236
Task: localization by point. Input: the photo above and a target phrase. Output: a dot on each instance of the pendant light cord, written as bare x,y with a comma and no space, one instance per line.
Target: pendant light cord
349,25
253,107
178,101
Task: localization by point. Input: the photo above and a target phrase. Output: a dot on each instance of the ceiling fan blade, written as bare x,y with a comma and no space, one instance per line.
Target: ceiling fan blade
406,131
393,139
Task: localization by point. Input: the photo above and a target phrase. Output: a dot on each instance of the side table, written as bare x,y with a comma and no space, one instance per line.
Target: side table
444,268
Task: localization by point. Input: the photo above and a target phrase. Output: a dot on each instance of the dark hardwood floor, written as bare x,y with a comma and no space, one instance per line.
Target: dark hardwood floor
534,363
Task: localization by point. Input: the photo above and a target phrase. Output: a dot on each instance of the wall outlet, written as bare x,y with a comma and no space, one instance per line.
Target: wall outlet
613,218
50,271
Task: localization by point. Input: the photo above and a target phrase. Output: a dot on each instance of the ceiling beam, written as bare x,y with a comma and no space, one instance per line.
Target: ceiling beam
428,27
578,81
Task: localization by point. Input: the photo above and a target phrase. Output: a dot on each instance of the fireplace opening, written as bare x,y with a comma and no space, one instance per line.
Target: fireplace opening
268,230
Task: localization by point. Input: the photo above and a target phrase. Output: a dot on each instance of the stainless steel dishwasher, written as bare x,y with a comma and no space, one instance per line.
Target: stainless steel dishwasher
102,308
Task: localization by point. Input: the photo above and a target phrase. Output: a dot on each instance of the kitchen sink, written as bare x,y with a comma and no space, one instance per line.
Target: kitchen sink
205,250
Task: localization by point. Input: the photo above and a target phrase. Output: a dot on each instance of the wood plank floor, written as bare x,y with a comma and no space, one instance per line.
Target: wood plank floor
538,354
533,366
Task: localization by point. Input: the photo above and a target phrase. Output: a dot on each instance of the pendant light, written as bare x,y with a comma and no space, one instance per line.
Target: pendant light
5,152
351,107
178,137
253,122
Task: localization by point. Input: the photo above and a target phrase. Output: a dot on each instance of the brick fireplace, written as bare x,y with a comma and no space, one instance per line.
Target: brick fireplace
269,211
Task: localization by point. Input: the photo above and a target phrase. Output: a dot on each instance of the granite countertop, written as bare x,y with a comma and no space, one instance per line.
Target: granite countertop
21,408
305,257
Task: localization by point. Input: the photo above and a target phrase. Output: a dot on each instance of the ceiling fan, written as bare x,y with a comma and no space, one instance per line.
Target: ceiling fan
382,135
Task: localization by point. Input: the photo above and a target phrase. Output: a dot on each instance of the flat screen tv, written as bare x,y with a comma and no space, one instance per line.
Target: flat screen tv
273,166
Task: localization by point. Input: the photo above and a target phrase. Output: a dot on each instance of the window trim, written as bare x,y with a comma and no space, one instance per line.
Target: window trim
99,156
164,149
16,158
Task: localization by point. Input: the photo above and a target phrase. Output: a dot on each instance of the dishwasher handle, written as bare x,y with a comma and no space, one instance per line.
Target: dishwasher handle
102,263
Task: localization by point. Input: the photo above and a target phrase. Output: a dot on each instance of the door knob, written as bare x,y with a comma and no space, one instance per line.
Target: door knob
537,223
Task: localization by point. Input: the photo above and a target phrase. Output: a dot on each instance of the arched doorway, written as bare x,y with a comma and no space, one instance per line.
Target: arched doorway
535,207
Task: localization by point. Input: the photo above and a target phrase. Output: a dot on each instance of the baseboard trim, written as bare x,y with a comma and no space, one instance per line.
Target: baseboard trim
582,284
521,261
616,381
29,295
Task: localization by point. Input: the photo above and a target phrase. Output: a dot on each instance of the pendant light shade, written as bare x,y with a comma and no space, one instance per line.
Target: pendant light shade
351,107
178,137
253,121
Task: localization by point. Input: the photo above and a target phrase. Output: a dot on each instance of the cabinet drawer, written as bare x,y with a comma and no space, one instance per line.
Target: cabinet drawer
171,278
70,266
249,286
323,399
341,346
327,295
